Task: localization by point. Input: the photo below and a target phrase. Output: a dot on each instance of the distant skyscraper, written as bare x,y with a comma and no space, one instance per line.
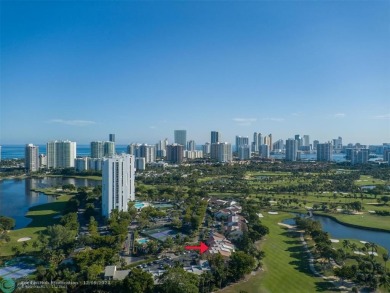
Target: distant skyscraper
224,152
264,151
315,143
291,149
191,145
109,148
118,173
338,143
306,140
175,153
324,152
278,146
161,148
215,137
60,154
81,164
112,137
255,143
148,152
31,158
181,137
97,149
206,148
241,141
360,156
244,152
0,153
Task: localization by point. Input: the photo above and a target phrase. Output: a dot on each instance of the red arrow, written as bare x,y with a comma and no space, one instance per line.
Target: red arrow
202,247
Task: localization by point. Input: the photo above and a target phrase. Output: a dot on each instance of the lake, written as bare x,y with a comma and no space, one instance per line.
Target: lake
337,231
16,196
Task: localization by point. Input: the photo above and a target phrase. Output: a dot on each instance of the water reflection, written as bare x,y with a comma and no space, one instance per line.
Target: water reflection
16,196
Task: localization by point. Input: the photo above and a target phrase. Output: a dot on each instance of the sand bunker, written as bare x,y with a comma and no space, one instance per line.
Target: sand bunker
24,239
273,213
334,240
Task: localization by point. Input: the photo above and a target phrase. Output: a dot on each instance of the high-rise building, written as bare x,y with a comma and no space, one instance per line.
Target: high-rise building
360,156
161,148
224,152
255,143
175,153
0,153
118,176
111,137
60,154
148,152
306,140
338,143
95,164
324,152
315,143
81,164
291,149
42,161
264,151
31,157
244,152
299,140
109,148
268,141
181,137
278,146
191,145
206,148
97,149
215,137
140,163
241,141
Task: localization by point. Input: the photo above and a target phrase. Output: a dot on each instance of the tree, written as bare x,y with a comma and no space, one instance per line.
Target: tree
345,272
240,264
59,236
138,281
70,221
6,223
177,280
385,258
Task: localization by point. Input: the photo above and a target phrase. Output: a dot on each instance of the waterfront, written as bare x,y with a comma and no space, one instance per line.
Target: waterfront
339,231
16,196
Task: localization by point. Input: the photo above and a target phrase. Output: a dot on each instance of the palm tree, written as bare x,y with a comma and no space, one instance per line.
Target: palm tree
346,244
385,257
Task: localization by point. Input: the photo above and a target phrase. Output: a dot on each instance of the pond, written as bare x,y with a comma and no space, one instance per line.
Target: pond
16,196
337,230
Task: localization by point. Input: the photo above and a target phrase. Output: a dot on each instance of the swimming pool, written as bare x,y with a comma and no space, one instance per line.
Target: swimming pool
142,240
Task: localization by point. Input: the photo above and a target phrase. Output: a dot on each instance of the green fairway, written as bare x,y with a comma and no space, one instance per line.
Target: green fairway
42,216
368,180
286,265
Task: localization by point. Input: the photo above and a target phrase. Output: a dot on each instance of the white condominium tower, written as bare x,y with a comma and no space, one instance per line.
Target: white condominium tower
31,157
60,154
118,174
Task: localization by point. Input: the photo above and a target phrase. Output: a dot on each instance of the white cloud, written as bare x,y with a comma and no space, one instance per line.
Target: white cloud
339,115
275,119
245,121
72,122
382,117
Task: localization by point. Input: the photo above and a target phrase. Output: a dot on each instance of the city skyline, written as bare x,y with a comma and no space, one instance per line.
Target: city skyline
79,71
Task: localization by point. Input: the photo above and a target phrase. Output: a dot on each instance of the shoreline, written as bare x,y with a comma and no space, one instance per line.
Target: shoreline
352,225
339,221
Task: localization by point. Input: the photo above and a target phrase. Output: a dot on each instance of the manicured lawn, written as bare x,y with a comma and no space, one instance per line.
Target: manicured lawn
42,216
286,266
368,180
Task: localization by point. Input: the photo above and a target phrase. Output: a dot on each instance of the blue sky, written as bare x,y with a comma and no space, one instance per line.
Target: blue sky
80,70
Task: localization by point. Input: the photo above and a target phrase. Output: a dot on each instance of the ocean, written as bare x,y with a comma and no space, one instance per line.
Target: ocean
17,151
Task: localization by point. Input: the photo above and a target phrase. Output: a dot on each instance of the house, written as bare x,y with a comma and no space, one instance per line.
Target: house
235,227
111,273
219,244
